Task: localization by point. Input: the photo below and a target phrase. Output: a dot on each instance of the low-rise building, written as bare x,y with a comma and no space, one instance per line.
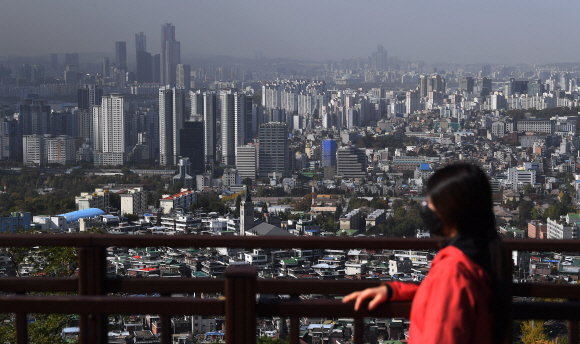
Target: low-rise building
182,200
351,220
14,221
134,201
98,199
376,218
561,230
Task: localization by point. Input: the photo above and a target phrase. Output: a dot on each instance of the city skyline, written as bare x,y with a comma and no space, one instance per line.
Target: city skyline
466,32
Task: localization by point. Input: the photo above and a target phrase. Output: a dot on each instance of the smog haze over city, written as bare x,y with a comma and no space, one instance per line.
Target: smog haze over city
512,32
212,121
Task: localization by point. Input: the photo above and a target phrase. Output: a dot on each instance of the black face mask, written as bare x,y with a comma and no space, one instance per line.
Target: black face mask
431,221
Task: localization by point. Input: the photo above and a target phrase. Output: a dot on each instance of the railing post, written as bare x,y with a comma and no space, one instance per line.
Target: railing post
573,330
166,337
241,305
21,326
92,274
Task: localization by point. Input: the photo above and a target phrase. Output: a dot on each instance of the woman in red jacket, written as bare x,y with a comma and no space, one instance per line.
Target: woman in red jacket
464,298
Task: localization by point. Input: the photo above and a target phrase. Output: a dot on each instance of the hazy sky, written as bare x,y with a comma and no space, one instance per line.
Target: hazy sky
468,31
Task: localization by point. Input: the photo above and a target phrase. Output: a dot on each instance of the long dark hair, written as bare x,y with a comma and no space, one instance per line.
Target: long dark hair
462,196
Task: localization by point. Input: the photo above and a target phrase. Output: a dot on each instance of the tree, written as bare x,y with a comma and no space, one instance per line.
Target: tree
533,332
268,340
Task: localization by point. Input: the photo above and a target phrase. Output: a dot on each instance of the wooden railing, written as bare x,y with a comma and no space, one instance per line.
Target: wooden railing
240,287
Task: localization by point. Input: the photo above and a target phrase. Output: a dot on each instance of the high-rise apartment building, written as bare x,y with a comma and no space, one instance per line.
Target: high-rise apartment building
170,54
34,117
121,55
273,151
33,150
109,130
87,97
183,76
171,118
209,126
60,150
227,101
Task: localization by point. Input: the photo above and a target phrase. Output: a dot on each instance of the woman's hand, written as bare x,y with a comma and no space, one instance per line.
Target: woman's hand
378,296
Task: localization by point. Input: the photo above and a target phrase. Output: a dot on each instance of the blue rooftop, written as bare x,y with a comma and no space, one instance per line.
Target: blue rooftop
81,214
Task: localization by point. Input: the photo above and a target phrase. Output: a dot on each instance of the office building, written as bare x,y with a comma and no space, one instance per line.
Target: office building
170,54
484,85
121,55
191,145
246,162
536,125
109,130
351,162
243,121
171,113
273,149
14,221
328,152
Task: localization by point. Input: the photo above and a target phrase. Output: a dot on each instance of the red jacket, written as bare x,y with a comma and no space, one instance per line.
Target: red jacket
452,303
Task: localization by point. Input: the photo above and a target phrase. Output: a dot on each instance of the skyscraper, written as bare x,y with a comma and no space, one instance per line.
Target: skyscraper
171,117
109,130
87,97
183,76
227,102
121,55
191,145
170,54
328,152
379,60
143,59
273,151
140,42
242,119
106,67
34,117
